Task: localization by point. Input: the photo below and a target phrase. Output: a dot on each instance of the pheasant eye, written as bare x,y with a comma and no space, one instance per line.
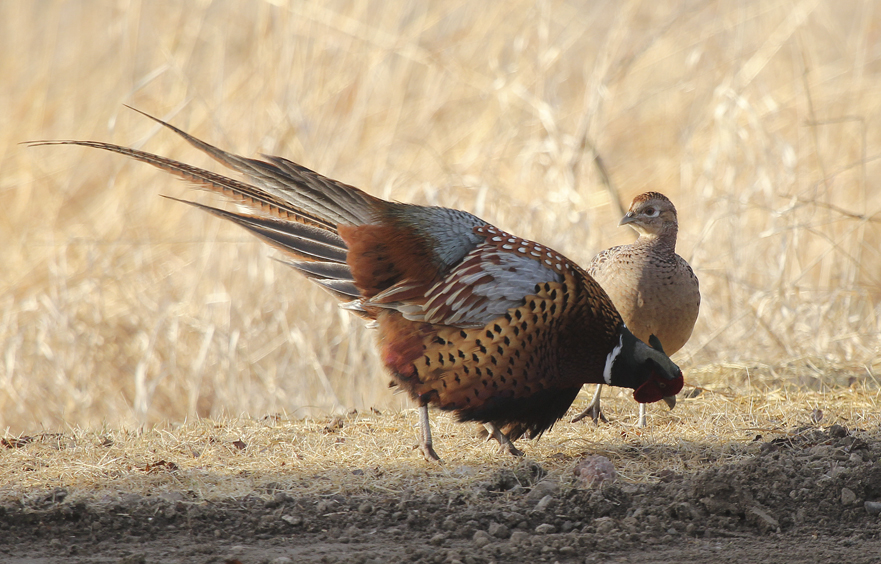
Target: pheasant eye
651,212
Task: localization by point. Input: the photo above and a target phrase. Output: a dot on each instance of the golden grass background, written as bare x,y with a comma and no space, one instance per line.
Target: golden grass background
120,308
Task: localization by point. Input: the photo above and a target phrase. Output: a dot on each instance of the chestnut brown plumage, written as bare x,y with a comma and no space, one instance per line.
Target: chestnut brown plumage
471,319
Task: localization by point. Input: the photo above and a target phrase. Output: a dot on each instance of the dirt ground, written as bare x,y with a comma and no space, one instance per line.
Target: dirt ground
811,496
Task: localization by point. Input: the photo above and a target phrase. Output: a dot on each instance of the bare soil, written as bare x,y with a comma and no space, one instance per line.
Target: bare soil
811,496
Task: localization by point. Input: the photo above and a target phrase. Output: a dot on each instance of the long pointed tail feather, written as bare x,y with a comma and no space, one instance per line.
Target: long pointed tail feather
293,183
238,191
324,270
302,241
303,209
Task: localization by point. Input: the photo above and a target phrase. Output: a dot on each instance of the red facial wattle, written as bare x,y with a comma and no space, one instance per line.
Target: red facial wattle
658,388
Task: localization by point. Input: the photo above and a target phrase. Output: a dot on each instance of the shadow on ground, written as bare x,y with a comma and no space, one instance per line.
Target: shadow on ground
810,496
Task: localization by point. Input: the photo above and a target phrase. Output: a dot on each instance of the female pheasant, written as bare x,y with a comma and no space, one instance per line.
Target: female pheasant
653,288
471,319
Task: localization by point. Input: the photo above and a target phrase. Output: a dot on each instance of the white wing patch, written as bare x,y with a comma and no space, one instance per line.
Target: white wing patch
491,279
495,276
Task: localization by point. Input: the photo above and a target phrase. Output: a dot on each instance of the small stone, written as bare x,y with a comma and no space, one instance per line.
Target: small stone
365,508
438,539
499,530
838,431
481,538
292,520
604,525
512,517
764,519
873,507
544,503
848,497
543,489
546,529
518,537
594,470
281,560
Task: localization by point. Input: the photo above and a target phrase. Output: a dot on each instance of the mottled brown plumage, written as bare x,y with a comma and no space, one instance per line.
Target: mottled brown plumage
496,328
653,288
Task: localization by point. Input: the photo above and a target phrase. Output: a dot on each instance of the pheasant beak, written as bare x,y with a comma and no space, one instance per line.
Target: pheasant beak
629,218
670,401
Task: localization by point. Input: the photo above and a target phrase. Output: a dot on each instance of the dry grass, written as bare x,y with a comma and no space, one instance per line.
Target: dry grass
123,310
212,459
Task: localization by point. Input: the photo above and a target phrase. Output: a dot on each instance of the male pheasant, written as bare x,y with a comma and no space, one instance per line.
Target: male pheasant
496,328
653,288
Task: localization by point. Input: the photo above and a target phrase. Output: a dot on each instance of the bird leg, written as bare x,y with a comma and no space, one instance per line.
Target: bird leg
425,442
505,443
670,401
641,421
593,409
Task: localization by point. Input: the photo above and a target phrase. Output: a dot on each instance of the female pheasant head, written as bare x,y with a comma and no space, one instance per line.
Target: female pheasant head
653,216
646,369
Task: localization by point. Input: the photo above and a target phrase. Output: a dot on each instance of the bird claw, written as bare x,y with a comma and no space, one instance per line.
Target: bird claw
593,409
595,412
511,449
505,443
428,452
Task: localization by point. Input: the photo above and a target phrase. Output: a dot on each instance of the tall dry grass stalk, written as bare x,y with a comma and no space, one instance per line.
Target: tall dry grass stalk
758,118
